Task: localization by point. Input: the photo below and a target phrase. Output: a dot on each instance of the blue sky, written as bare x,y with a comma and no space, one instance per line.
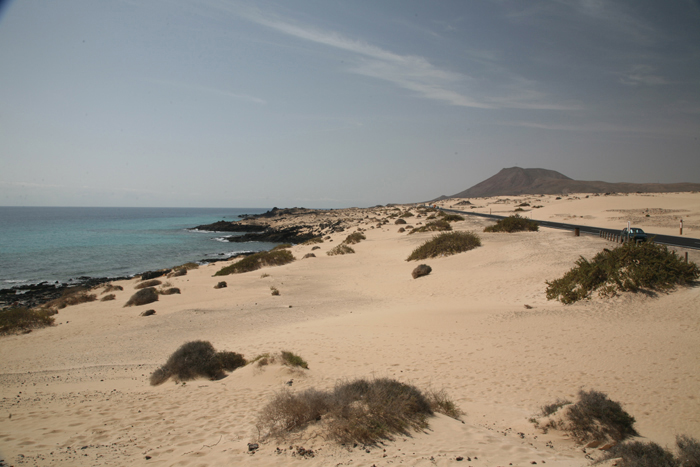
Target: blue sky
338,103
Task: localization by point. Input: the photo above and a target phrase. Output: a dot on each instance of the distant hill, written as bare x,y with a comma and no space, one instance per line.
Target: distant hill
518,181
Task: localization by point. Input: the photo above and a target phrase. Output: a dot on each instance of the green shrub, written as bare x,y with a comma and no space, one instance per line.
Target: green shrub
291,359
353,238
594,417
406,214
258,260
399,221
20,319
627,268
452,218
283,246
143,297
359,411
513,224
148,283
341,249
195,359
435,226
446,244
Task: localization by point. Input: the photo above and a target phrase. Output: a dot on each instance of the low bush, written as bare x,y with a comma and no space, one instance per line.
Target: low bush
143,297
112,288
72,296
406,214
109,297
639,454
19,320
453,218
313,240
148,313
196,359
221,285
594,417
441,402
315,248
445,244
257,261
513,224
341,249
359,411
169,291
274,291
293,360
178,272
627,268
401,230
283,246
353,238
309,255
421,270
435,226
148,283
189,266
399,221
549,409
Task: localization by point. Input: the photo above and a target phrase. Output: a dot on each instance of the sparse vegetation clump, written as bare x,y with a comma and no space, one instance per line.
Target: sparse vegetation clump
313,240
452,217
359,411
593,418
292,359
441,402
274,290
421,270
640,454
148,283
355,237
108,297
196,359
21,320
112,288
434,226
143,297
177,272
258,260
513,224
72,296
627,268
399,221
189,266
341,249
406,214
309,255
282,246
169,291
446,244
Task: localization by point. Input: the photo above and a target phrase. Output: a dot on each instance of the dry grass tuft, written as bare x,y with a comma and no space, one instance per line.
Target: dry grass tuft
109,297
22,320
112,288
341,249
359,411
513,224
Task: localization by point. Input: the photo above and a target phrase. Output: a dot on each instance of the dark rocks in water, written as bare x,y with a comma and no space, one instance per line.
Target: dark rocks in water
34,295
225,226
148,313
293,234
153,274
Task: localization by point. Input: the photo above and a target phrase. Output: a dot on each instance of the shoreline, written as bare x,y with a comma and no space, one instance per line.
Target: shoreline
478,326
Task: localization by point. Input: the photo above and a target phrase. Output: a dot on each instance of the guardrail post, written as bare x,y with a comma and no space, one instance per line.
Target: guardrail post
686,256
577,232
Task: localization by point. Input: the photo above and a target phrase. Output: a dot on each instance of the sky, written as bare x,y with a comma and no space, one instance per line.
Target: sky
331,104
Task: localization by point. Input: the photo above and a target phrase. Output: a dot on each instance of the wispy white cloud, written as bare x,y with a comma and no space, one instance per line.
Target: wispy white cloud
642,74
412,72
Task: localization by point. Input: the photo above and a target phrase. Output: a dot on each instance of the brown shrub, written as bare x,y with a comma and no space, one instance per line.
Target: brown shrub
195,359
178,272
309,255
169,291
107,298
221,285
148,283
143,297
421,270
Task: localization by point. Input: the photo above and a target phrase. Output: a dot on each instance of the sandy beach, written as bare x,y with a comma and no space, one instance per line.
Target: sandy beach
479,327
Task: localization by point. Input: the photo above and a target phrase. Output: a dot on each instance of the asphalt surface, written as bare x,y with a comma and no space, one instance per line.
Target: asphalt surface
670,240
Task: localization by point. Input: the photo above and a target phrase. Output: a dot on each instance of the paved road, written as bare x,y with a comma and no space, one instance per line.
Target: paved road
669,240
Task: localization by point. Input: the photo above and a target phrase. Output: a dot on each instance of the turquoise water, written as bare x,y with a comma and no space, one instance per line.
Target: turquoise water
61,243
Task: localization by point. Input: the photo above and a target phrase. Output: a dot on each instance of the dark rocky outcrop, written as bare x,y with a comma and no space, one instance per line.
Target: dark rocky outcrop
294,234
225,226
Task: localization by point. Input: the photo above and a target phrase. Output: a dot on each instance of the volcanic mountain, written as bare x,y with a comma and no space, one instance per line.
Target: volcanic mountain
518,181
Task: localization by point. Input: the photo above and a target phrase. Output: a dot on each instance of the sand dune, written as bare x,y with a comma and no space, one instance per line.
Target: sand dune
78,393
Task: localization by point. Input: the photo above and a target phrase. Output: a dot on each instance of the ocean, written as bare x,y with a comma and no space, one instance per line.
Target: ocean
61,244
